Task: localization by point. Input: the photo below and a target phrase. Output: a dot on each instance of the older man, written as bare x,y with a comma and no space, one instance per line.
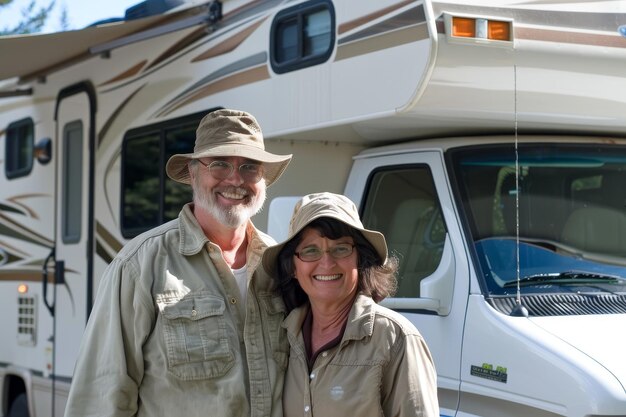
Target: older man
182,325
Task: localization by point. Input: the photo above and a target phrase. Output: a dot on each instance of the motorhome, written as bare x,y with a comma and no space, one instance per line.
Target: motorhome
486,139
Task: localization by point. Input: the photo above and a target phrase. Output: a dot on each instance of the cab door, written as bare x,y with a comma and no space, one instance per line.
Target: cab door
406,196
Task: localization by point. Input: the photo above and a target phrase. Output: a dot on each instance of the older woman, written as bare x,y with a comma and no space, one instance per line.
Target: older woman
349,356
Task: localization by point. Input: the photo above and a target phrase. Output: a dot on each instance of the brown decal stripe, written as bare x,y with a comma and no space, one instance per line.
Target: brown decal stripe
249,76
564,36
229,22
229,44
6,257
108,238
181,44
15,251
102,253
408,26
24,275
114,114
31,212
559,36
347,26
9,228
126,74
11,209
410,17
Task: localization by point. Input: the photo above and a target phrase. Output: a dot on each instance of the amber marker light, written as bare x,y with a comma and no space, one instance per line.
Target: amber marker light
463,27
499,31
22,288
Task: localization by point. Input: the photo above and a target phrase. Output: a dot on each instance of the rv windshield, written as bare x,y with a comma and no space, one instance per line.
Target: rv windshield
563,215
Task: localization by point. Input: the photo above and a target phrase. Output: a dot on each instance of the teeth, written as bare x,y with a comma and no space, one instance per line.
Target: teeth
235,194
327,277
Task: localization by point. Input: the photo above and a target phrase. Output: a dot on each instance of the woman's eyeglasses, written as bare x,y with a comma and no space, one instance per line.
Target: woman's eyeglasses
314,253
220,170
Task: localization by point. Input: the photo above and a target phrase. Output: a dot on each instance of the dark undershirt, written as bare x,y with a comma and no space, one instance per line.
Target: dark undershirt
307,328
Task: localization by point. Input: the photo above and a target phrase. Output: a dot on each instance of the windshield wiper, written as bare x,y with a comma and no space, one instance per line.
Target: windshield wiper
566,277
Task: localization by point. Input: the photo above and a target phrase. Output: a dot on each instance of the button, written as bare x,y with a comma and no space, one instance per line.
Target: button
194,313
306,408
233,300
324,354
312,375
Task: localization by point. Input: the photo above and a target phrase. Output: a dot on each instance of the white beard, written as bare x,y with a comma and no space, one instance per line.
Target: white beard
232,216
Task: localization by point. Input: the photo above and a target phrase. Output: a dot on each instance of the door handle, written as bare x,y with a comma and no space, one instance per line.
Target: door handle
44,282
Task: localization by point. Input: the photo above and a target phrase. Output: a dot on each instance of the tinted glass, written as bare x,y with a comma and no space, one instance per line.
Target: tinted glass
72,182
142,182
176,194
565,205
19,148
317,33
402,203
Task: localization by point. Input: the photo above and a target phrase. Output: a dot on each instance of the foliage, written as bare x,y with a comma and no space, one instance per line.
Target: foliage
32,21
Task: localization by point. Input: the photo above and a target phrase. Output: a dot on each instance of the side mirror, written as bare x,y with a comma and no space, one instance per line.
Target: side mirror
43,151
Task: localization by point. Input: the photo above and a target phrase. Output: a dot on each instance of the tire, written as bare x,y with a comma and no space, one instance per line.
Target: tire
19,407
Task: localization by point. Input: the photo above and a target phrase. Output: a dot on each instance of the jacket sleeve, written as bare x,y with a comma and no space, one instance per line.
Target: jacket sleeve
410,380
109,368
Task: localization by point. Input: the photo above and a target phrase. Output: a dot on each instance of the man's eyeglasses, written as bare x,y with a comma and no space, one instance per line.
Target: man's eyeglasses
220,170
313,253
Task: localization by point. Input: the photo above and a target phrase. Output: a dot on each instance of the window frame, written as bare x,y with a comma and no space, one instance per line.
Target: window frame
298,13
9,150
161,130
368,204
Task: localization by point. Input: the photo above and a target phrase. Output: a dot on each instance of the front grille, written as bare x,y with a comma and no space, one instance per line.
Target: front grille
563,304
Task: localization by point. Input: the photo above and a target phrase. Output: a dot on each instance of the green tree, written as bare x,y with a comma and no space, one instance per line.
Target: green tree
32,21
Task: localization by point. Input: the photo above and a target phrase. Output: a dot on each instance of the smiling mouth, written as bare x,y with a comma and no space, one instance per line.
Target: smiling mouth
327,277
234,194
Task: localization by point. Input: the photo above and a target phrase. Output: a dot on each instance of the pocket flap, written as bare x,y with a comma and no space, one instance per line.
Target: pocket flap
195,307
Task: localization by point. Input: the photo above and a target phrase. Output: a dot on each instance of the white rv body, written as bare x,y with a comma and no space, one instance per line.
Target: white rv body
386,87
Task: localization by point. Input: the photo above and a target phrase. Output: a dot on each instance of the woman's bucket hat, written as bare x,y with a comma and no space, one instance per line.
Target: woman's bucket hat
314,206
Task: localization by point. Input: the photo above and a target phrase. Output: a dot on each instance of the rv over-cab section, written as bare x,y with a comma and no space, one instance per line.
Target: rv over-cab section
441,68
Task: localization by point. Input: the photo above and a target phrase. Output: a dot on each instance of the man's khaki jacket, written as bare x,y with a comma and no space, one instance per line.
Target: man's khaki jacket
169,335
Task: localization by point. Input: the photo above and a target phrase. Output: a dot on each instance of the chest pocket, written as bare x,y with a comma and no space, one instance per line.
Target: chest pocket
196,340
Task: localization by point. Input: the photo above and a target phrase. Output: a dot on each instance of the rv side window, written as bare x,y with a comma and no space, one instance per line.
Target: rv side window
302,36
19,148
402,203
149,196
73,178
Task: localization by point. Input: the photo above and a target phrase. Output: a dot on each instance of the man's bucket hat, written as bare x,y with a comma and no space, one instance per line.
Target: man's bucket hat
227,133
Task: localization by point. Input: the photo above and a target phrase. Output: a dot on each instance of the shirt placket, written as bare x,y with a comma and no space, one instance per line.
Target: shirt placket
260,389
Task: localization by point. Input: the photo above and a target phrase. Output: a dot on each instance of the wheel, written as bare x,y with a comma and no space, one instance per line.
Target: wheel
19,407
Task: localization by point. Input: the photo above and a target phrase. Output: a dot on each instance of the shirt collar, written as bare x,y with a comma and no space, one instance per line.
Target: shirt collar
360,320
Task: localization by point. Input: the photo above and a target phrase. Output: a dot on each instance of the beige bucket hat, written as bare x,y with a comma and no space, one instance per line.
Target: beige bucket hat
314,206
227,132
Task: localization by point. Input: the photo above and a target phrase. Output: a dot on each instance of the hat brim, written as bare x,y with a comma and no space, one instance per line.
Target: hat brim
376,239
178,170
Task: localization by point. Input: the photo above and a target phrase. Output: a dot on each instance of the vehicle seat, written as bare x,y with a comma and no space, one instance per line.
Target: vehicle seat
406,237
596,229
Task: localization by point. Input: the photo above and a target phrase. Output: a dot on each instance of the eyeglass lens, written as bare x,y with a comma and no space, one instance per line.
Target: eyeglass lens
314,253
223,169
